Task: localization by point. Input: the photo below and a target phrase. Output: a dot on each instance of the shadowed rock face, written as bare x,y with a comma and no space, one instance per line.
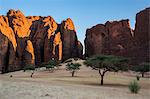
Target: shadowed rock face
142,35
117,38
94,40
35,39
113,38
69,39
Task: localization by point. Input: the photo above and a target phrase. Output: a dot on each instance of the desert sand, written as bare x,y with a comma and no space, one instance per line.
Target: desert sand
60,85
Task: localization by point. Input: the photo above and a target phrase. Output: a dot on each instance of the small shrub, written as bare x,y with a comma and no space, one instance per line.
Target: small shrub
28,67
134,87
138,78
51,65
73,67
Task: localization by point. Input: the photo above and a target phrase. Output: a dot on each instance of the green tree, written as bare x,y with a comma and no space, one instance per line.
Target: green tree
30,67
73,67
105,63
51,65
142,68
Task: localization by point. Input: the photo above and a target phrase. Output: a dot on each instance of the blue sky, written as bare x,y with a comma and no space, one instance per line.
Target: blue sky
84,13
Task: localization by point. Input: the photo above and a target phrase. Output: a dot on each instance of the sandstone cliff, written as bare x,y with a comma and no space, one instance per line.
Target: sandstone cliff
142,35
35,39
111,38
117,38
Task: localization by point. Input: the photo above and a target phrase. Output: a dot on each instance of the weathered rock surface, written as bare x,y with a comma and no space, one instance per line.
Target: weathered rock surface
117,38
69,39
28,53
8,45
35,39
142,35
94,40
113,38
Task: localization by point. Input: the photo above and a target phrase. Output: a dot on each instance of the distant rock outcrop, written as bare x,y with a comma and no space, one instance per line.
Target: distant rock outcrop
142,35
113,38
35,39
117,38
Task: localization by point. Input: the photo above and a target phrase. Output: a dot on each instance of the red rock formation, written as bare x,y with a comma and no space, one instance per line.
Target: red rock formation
120,38
142,35
35,39
19,23
117,38
80,49
29,57
43,38
7,46
69,39
21,27
94,40
113,38
7,31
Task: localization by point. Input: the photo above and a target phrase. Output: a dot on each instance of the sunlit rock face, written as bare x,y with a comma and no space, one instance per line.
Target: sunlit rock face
19,23
7,46
69,39
7,31
33,40
117,38
142,35
29,56
21,28
45,39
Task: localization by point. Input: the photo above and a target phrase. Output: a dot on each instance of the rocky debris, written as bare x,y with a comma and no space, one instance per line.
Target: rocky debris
117,38
34,40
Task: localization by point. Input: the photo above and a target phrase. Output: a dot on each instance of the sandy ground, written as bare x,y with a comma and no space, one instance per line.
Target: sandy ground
60,85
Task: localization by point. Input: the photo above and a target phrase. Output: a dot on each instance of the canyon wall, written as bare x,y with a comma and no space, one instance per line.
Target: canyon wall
117,38
33,40
26,40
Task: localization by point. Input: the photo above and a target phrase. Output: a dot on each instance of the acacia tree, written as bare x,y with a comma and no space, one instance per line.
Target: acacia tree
142,68
73,67
50,65
105,63
29,67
